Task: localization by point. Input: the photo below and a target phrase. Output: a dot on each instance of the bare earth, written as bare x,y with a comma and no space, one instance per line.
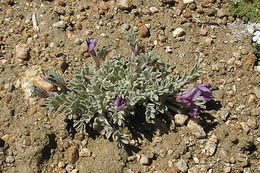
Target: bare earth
34,142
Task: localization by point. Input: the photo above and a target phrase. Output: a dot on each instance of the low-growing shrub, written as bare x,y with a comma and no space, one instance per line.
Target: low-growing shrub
109,98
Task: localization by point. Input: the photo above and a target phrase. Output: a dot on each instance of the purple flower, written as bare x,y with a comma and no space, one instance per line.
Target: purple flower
119,104
136,50
193,99
91,44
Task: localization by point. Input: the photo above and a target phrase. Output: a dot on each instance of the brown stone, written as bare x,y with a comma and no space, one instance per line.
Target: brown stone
187,15
41,83
22,51
193,6
72,154
143,31
249,61
200,10
211,12
62,3
205,4
181,6
103,6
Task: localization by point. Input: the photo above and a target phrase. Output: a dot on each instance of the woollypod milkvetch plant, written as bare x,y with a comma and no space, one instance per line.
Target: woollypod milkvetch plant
106,100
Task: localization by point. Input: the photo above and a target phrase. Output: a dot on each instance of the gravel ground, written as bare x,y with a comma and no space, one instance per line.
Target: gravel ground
50,34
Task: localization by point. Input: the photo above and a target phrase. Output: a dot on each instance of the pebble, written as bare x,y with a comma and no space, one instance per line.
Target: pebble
180,119
181,165
227,169
143,31
196,160
78,25
84,152
257,91
208,41
9,86
223,114
188,1
153,9
168,49
251,98
181,6
203,31
178,32
144,160
62,3
218,94
74,171
193,6
196,130
245,127
221,13
124,4
211,12
103,6
60,24
252,122
78,41
211,145
194,169
22,51
257,68
255,111
61,164
41,83
249,61
72,154
157,140
69,167
8,98
231,61
9,159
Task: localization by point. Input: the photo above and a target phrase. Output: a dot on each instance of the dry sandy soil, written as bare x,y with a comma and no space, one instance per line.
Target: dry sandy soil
226,140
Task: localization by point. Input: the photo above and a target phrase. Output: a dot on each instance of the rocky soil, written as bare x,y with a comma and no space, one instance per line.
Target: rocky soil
49,34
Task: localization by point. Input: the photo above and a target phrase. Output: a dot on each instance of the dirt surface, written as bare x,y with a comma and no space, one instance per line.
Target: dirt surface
227,140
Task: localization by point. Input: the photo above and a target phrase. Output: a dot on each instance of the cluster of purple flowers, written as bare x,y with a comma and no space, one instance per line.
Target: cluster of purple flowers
190,100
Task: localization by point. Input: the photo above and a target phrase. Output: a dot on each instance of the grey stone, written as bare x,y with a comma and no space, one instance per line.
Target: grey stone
153,9
144,160
257,91
211,145
196,130
188,1
9,159
124,4
180,119
22,51
181,165
227,169
84,152
221,13
178,32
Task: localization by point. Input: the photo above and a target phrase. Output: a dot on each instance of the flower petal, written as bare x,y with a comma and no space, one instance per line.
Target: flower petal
91,43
